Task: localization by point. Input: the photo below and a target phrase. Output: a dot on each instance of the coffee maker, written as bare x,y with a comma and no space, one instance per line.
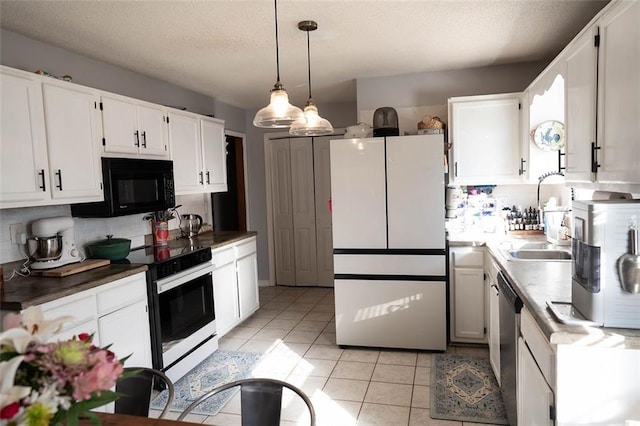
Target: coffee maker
600,240
53,243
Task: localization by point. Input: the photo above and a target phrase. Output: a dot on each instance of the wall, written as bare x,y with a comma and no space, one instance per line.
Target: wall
28,54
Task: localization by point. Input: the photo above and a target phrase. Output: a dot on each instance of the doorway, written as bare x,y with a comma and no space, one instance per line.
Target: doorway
229,209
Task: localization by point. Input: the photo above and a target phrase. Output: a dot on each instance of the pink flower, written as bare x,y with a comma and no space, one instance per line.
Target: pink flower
103,375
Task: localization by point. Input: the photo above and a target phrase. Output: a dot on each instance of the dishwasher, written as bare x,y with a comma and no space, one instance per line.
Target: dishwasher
510,305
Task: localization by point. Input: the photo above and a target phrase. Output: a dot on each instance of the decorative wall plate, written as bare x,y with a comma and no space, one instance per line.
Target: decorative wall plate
549,135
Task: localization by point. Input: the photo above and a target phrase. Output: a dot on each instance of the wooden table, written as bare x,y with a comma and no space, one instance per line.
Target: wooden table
108,419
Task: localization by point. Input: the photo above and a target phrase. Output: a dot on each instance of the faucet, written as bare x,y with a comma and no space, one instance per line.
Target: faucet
540,179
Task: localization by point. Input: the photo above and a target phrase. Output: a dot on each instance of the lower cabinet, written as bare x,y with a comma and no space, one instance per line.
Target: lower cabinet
107,311
235,284
493,301
467,288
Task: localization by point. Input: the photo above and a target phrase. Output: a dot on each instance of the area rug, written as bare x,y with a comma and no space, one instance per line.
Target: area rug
463,388
219,368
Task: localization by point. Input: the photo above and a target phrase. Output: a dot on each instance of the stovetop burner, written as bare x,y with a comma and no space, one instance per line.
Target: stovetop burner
149,255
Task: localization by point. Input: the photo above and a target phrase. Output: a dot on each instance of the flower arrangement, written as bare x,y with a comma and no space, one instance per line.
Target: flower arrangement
49,383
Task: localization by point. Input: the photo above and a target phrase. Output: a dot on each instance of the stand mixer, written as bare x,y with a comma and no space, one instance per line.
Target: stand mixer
53,243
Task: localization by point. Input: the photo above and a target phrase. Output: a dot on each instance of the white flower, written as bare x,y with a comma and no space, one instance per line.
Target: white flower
8,392
27,328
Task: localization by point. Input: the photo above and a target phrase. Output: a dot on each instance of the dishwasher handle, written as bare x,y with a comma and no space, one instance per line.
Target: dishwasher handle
509,293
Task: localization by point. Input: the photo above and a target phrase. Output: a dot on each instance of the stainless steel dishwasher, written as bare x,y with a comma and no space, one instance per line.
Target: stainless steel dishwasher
510,306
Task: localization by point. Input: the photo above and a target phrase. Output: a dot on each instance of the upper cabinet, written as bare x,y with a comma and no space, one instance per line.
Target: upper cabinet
485,135
133,128
199,153
603,102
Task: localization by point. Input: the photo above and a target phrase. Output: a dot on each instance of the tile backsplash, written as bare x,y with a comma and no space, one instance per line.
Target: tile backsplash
87,230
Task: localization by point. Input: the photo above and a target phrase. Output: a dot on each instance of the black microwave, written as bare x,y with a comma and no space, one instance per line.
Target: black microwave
131,186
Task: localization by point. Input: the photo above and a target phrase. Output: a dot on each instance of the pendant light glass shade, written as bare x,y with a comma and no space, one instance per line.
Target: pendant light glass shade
279,113
311,124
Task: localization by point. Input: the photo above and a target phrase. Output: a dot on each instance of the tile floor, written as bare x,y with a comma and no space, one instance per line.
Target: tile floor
295,328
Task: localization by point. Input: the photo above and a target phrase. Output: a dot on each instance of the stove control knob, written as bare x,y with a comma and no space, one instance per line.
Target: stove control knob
74,252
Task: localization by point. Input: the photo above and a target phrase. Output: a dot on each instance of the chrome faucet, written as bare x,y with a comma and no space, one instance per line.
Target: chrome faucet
540,179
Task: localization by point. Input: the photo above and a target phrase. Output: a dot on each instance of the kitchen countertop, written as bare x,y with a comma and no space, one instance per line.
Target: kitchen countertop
541,281
22,292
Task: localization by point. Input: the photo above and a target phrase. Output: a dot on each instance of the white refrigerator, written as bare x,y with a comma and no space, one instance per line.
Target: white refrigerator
389,241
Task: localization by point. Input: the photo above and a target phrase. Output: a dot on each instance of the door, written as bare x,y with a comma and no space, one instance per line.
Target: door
186,147
494,327
225,291
415,191
248,282
24,172
136,342
469,303
535,397
72,123
121,134
358,193
215,159
153,131
324,241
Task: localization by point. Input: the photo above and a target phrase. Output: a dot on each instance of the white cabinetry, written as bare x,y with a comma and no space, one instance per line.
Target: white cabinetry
24,172
133,128
198,152
107,310
493,300
485,136
603,83
536,366
235,283
467,294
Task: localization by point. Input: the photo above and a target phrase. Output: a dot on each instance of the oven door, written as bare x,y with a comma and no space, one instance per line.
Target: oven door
186,312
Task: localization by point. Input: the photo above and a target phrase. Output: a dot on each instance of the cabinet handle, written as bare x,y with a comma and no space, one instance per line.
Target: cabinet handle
201,178
59,174
137,142
521,170
43,187
496,288
560,155
208,178
144,139
455,169
594,158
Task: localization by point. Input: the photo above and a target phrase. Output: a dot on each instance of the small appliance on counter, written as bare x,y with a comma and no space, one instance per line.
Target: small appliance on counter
190,225
601,238
385,122
53,243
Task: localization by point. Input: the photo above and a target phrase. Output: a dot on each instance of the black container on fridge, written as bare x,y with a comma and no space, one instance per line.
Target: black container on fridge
385,122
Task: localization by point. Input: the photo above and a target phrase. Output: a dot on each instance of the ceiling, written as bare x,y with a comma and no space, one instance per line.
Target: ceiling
226,48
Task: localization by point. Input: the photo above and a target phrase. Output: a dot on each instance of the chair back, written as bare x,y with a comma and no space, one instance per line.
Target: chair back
260,399
137,390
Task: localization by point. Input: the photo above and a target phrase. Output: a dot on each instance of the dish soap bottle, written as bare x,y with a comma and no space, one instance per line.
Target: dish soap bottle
629,264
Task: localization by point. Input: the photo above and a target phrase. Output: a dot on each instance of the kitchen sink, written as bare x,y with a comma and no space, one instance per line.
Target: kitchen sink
538,254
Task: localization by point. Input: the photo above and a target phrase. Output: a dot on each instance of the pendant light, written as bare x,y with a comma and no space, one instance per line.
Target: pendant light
311,124
279,113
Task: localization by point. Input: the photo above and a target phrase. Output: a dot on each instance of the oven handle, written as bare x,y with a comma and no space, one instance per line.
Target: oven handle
174,281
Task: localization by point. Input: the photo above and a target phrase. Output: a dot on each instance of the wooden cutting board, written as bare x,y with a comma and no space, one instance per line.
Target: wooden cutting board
71,269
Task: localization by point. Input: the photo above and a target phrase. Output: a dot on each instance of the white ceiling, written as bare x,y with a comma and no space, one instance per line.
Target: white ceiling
226,48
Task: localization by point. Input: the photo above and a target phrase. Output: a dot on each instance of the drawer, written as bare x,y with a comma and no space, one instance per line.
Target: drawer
471,258
81,307
245,248
539,346
223,256
389,264
121,293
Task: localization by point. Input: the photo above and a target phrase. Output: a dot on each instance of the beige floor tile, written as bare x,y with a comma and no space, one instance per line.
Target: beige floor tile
423,376
424,359
310,385
275,366
397,357
440,422
383,415
335,412
324,352
242,332
325,308
224,419
353,370
314,367
294,409
230,343
319,316
254,322
345,389
282,324
389,373
309,298
421,397
276,305
389,393
298,336
306,325
270,334
418,417
301,307
260,346
326,339
266,313
291,315
360,355
291,350
330,328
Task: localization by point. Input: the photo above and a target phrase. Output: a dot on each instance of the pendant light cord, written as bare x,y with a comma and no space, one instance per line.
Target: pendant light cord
275,7
309,63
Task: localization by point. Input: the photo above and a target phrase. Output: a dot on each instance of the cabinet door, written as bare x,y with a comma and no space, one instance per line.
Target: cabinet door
358,193
153,131
215,156
469,303
494,327
486,135
581,107
415,192
535,398
225,296
324,242
24,173
121,134
248,284
73,135
135,342
186,148
619,96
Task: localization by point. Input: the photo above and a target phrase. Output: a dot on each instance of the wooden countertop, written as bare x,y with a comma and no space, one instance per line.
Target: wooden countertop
125,420
22,292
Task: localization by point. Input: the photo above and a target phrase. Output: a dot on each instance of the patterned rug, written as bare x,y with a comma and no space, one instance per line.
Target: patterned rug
463,388
219,368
